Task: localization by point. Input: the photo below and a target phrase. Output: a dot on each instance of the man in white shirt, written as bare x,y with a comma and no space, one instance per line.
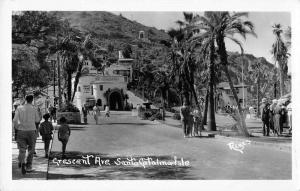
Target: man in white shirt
289,111
26,118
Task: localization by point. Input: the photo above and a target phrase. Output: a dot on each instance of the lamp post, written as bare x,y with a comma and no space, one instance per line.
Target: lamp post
54,72
243,81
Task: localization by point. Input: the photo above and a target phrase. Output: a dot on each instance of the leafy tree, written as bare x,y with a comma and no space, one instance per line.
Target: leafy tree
32,30
127,51
110,47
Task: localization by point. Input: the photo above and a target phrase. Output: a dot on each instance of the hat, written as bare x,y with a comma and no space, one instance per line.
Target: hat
46,116
264,100
16,103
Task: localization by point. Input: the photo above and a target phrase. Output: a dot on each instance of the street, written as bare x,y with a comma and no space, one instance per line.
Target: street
123,136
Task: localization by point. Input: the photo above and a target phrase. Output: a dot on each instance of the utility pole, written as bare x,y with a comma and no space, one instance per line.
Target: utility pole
58,74
54,72
258,89
243,82
59,85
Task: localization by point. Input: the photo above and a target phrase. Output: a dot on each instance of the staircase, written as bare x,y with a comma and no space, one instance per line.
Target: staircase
132,98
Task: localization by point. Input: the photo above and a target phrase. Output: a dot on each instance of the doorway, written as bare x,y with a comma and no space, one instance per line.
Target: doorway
116,101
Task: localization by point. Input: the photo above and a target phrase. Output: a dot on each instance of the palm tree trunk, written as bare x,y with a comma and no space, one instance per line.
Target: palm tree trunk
198,105
281,74
78,74
206,108
69,86
211,121
257,94
223,57
242,127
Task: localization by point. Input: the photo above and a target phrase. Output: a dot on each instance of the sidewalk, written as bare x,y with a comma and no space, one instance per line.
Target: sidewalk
254,126
40,163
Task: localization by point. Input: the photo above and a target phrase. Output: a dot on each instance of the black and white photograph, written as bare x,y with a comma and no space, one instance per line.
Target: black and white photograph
122,94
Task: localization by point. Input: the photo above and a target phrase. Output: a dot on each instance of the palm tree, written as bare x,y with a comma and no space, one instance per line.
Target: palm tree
280,53
183,60
228,25
206,40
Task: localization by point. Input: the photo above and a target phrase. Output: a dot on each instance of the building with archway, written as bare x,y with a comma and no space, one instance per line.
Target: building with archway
107,88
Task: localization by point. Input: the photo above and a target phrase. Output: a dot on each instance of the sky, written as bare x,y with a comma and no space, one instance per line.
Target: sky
259,46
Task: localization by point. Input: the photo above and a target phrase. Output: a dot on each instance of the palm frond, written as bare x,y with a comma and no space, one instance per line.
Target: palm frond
237,42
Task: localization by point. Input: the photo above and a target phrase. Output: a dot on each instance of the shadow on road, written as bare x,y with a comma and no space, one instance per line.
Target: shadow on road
133,124
115,169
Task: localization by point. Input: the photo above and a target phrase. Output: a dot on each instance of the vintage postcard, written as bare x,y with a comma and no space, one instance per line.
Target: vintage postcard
99,94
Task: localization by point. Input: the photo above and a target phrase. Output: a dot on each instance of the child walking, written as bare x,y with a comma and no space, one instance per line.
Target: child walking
46,129
107,111
64,133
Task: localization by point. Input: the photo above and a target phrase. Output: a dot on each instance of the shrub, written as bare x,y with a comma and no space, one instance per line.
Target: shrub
146,114
68,108
176,116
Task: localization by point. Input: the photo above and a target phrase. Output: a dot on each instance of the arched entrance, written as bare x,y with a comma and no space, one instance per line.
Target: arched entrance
115,101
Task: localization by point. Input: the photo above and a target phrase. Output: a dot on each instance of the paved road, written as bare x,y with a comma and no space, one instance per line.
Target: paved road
122,136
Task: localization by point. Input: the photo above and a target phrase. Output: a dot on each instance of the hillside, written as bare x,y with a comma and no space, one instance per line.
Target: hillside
105,25
249,78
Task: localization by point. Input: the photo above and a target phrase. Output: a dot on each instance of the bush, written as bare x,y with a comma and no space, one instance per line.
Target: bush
146,114
68,108
176,116
156,116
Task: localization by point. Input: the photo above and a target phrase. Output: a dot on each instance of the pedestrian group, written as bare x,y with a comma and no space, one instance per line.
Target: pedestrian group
273,116
27,127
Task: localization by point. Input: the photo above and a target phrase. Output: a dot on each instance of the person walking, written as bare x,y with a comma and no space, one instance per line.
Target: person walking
84,113
53,114
64,133
278,118
96,113
37,128
272,116
26,118
185,118
15,131
289,112
50,108
264,111
107,111
46,129
196,123
139,110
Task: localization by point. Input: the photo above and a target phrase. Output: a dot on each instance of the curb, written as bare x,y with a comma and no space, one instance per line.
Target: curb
260,143
279,146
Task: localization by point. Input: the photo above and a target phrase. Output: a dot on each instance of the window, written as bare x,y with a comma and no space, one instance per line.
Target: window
92,90
79,89
101,87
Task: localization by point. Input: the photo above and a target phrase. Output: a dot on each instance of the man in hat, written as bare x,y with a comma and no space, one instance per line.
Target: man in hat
272,114
16,104
264,111
26,118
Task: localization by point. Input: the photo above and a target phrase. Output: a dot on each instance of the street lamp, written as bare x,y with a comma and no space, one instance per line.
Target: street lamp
243,82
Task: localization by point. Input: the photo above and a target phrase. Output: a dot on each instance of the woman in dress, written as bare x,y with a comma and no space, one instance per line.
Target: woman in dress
186,119
277,118
96,113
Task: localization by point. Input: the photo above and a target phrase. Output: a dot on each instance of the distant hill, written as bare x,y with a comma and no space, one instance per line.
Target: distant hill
105,25
267,76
